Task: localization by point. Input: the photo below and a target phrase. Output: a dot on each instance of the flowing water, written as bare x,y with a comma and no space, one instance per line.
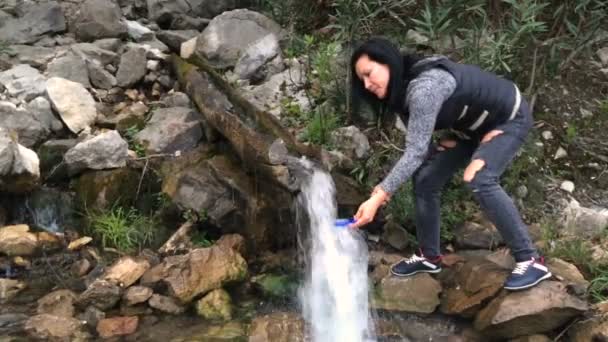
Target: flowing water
335,295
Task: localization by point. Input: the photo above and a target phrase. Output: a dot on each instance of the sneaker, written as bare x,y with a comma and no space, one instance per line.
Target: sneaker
414,264
527,274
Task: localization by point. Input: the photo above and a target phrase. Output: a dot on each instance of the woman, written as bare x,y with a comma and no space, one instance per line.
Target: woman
489,120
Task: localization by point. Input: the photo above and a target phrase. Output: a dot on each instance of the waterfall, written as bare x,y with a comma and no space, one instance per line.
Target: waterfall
335,295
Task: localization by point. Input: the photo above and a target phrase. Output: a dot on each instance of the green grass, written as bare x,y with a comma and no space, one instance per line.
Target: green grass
124,229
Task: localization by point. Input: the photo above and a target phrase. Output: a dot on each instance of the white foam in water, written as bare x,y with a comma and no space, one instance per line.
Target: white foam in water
335,295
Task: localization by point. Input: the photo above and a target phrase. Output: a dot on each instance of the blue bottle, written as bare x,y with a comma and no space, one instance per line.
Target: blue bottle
344,223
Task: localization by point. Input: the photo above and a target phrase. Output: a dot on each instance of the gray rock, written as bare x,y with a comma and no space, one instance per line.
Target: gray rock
40,107
92,315
157,9
138,32
165,304
229,34
174,38
35,56
396,236
12,324
19,166
28,127
350,141
132,67
585,223
70,67
99,19
105,151
100,78
256,55
51,158
177,99
36,19
72,102
23,82
474,235
110,44
170,130
92,51
101,294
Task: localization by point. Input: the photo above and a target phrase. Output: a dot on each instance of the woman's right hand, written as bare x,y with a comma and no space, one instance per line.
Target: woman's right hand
367,210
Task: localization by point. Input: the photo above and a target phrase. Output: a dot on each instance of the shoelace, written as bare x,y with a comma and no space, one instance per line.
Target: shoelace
414,258
522,267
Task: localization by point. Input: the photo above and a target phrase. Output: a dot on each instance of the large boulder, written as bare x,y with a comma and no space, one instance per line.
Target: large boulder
198,272
216,305
35,20
104,151
278,327
23,82
35,56
586,223
19,166
256,55
163,10
99,19
73,103
170,130
99,190
17,241
419,293
132,67
537,310
70,67
229,34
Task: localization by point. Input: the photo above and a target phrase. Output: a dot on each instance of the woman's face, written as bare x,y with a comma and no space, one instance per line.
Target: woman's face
374,75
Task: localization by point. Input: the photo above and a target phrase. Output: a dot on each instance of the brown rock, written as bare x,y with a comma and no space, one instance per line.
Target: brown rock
216,305
48,241
418,293
9,288
277,327
379,257
78,244
17,240
165,304
539,309
567,272
592,329
235,242
126,271
137,294
54,328
57,303
380,272
81,267
117,326
476,282
197,272
101,293
475,235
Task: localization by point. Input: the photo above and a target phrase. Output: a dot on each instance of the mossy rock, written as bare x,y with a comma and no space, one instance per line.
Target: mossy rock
99,190
216,305
278,286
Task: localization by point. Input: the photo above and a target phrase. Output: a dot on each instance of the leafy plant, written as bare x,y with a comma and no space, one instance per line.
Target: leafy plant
200,239
135,146
123,229
320,126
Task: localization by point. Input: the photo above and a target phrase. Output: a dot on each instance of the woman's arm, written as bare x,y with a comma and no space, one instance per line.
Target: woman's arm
425,96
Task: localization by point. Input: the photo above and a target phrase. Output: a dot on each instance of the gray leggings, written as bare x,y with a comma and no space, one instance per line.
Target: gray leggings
440,166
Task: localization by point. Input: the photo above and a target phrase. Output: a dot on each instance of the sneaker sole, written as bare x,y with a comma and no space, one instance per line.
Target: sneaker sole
411,274
546,276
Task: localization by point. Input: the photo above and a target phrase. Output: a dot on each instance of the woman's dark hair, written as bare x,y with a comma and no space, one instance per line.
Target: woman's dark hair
383,51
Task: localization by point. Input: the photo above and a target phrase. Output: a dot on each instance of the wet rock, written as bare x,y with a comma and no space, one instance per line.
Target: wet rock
223,332
256,55
475,235
35,20
94,52
132,67
174,38
28,128
136,295
235,242
396,236
17,240
104,151
100,78
165,304
23,82
9,288
51,158
477,281
537,310
126,271
102,294
117,326
72,102
276,285
98,19
277,327
419,293
54,328
12,323
70,67
57,303
170,130
99,190
197,272
585,223
216,305
350,141
228,35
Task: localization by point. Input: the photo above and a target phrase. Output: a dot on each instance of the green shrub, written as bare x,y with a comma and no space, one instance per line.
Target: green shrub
124,229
